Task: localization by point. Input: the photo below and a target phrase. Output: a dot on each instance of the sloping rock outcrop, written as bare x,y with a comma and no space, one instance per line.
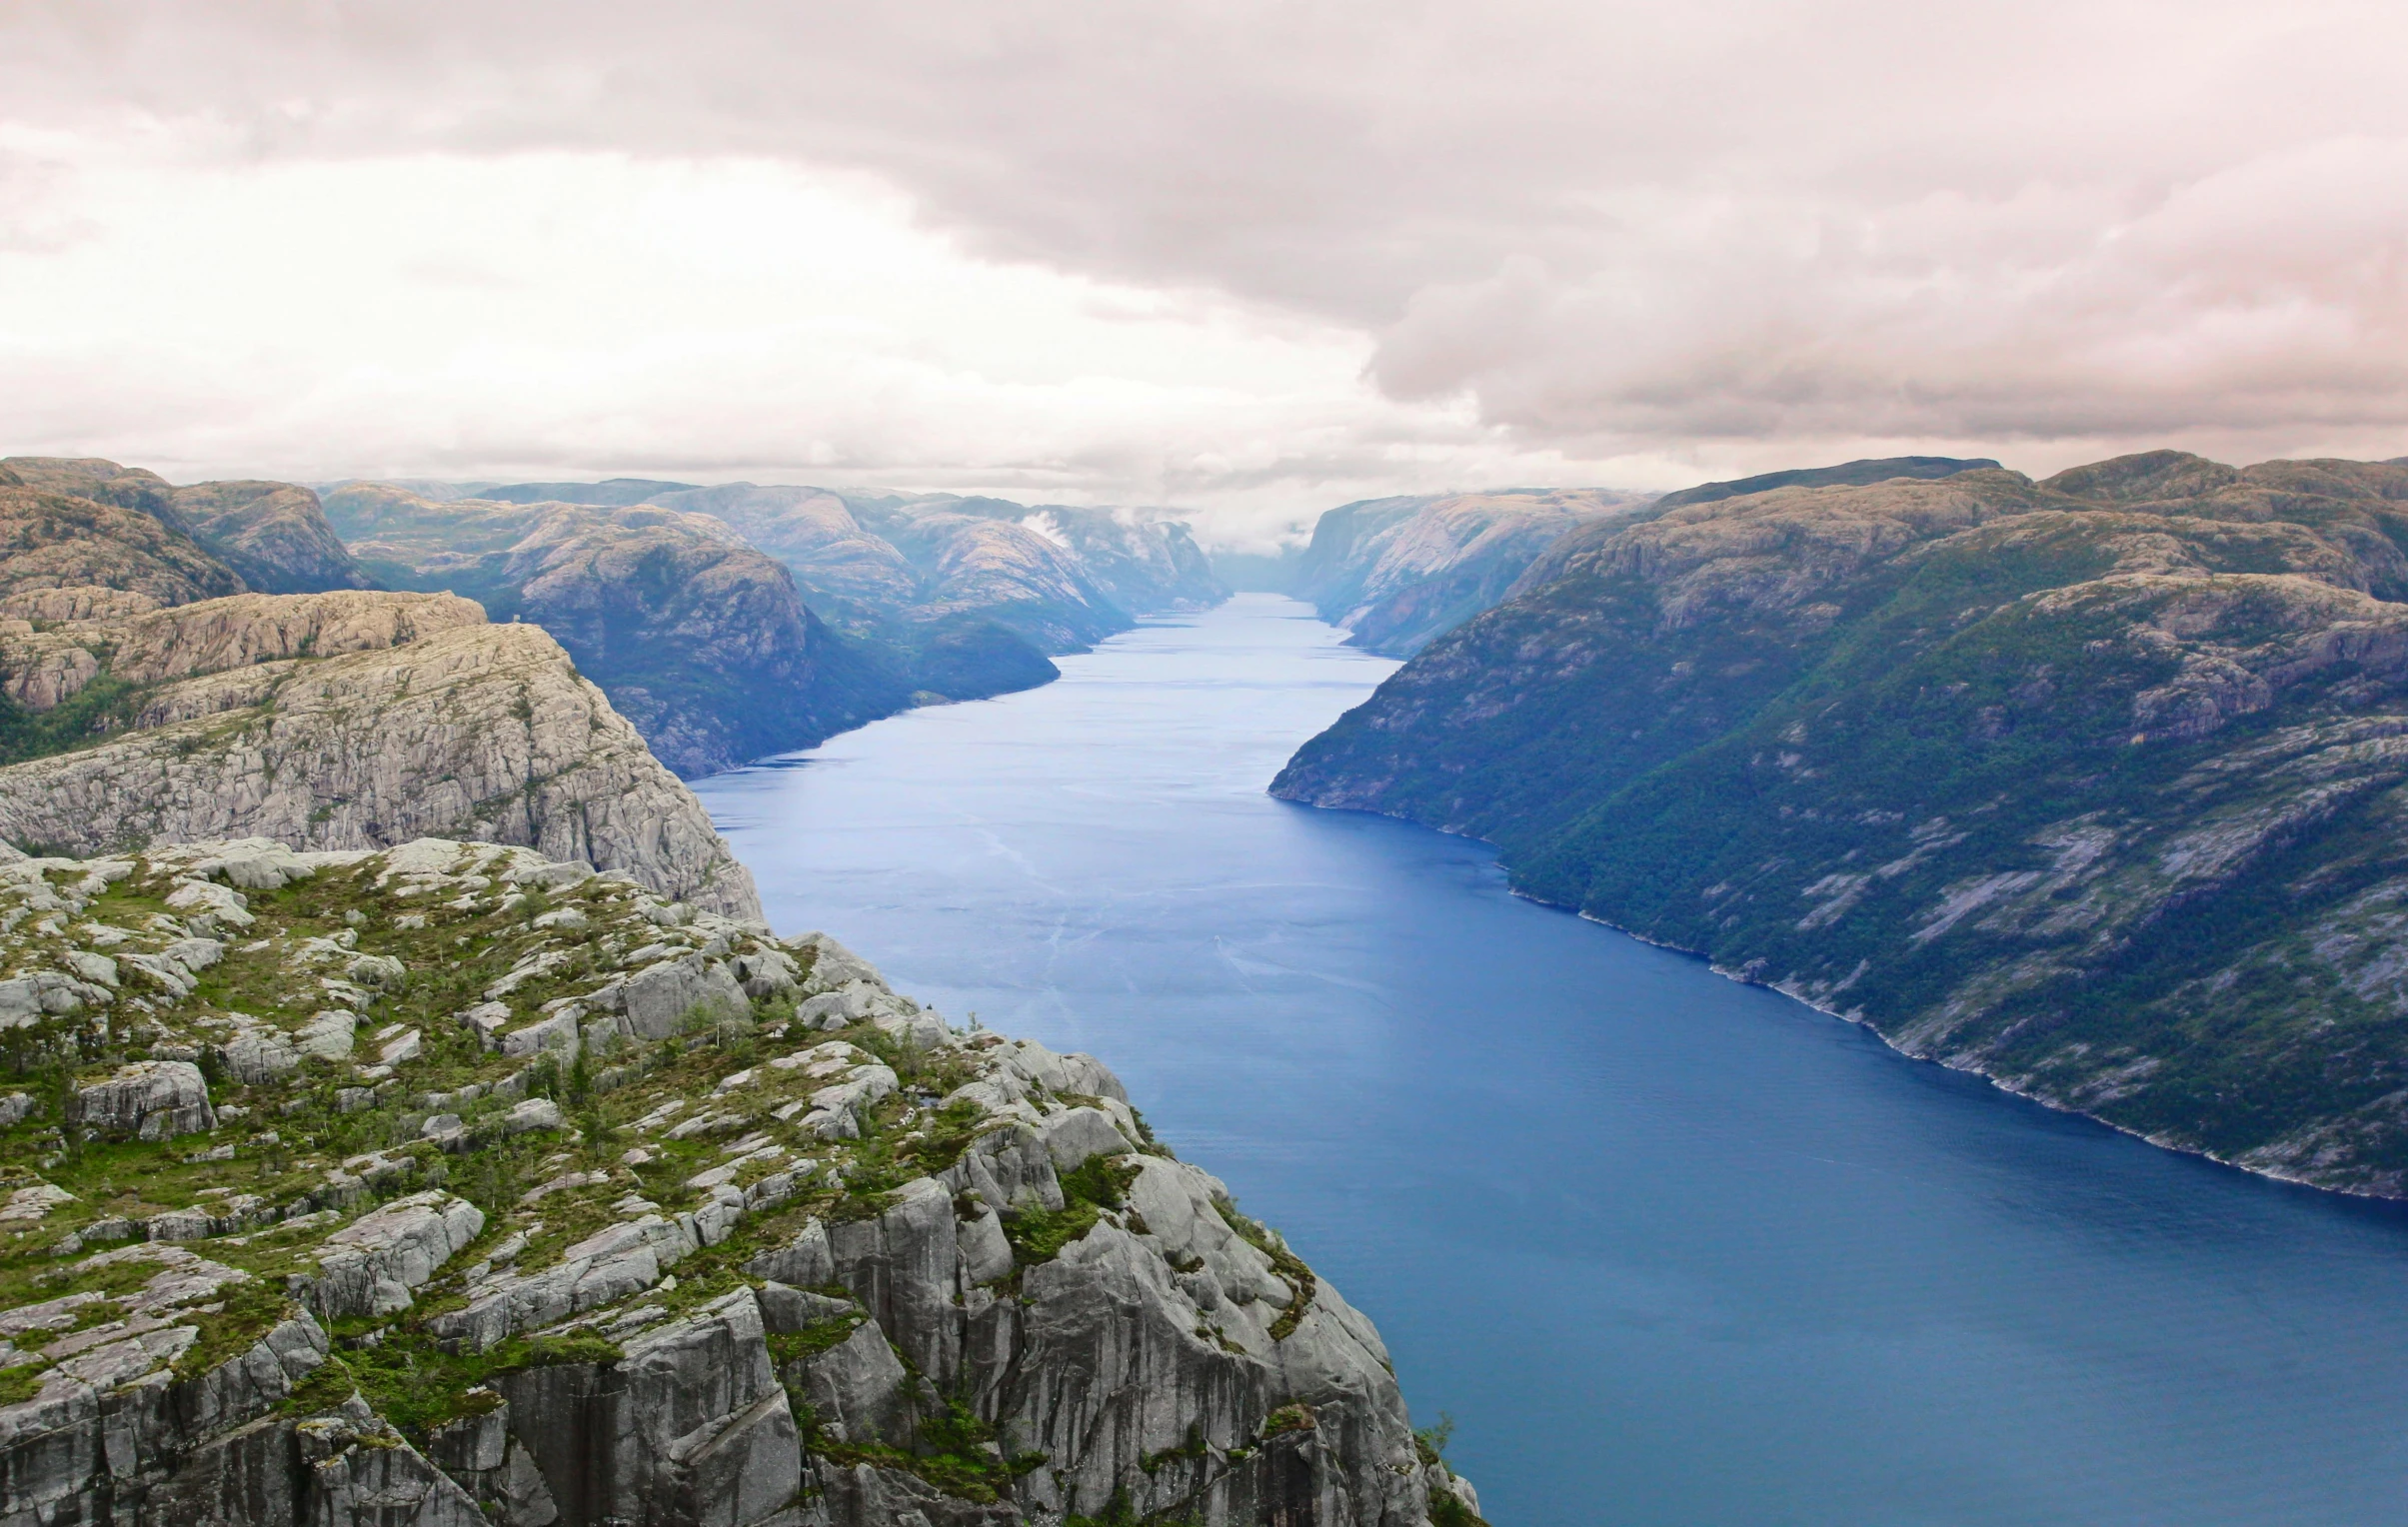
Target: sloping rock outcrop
800,1253
1855,473
274,535
2087,785
484,732
51,541
342,721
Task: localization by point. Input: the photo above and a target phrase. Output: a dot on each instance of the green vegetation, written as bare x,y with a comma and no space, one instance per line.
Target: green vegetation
250,1310
1283,1261
1096,1184
951,1448
20,1383
416,1385
1287,1418
97,711
813,1339
664,1128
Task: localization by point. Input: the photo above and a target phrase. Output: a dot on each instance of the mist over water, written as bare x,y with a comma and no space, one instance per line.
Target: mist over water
1673,1250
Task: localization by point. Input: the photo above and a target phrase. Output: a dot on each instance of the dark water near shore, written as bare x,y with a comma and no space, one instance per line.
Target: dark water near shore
1673,1250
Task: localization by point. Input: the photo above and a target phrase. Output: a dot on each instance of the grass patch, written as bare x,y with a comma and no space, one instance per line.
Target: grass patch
1284,1262
1088,1190
252,1309
811,1340
953,1450
419,1387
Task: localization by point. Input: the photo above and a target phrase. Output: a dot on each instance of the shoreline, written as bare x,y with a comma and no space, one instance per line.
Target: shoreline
2270,1174
2009,1089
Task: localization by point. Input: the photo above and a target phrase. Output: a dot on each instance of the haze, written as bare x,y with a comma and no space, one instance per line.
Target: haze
1249,259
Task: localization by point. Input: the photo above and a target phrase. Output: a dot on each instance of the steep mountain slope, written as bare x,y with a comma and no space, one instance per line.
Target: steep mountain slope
1399,571
1136,559
339,720
273,534
699,640
449,1185
2093,785
993,567
814,533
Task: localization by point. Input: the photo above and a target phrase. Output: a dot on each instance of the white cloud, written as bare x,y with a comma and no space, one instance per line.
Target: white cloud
1257,256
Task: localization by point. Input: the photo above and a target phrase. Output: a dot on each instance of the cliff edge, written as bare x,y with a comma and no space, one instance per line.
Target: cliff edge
349,719
450,1185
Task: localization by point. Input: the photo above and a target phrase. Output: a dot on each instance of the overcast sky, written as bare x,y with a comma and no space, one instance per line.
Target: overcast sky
1255,259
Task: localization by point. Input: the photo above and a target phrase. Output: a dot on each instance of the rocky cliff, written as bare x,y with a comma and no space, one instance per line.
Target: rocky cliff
333,721
2091,785
449,1185
1397,572
274,535
698,639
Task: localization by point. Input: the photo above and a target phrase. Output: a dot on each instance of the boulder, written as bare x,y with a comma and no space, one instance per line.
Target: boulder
372,1265
328,1033
149,1099
661,998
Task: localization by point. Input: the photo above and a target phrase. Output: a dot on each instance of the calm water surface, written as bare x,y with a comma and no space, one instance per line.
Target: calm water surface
1671,1250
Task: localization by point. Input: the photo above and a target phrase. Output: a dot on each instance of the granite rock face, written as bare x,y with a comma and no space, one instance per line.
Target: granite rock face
146,1099
79,641
990,1297
425,722
2088,784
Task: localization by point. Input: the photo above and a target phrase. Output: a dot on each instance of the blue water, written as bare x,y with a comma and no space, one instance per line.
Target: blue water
1670,1249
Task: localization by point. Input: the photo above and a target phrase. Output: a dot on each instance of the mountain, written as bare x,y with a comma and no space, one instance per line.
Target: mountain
609,492
698,639
273,534
1397,572
890,600
53,541
449,1185
334,720
894,568
1061,576
1858,474
2091,785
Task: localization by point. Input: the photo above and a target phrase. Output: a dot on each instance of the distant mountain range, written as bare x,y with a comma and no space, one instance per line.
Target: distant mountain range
1400,572
2094,786
737,620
